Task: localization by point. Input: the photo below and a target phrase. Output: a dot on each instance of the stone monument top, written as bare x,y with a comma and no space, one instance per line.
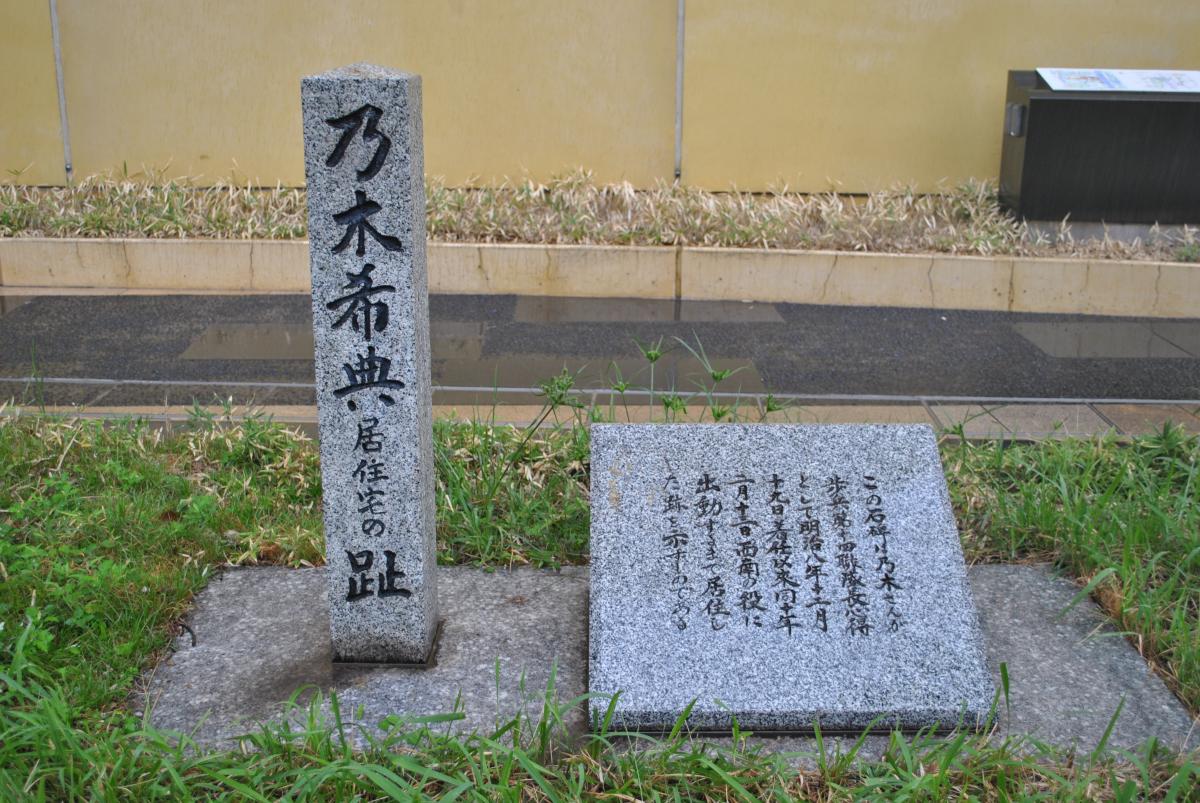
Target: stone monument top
782,575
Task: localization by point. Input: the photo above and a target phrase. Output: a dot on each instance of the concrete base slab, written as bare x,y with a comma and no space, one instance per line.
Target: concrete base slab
262,638
1069,670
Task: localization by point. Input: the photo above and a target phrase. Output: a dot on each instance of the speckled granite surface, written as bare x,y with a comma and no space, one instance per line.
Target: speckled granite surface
782,576
370,301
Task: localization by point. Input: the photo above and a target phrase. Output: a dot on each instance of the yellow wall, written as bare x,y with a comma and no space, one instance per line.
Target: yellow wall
206,86
865,94
818,93
30,139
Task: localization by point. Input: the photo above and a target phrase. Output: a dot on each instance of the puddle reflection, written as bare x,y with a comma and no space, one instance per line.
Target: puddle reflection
1101,340
539,309
459,359
10,303
520,342
252,341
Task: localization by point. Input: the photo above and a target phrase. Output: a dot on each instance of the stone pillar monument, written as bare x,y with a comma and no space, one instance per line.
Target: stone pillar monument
364,166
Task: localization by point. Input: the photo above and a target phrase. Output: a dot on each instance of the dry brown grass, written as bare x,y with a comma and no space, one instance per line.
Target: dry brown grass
151,206
574,209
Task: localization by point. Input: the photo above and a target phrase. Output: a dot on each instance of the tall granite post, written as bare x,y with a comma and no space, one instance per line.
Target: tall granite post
364,165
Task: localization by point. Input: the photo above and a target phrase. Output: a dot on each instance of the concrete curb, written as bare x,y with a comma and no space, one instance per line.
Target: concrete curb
1012,284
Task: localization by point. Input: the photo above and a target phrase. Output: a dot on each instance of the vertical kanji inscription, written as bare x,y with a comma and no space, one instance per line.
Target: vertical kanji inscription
366,210
764,563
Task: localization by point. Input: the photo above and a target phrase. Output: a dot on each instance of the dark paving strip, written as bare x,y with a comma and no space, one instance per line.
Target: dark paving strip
517,342
52,394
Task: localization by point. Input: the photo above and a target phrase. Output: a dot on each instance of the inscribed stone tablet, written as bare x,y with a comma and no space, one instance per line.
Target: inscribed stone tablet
366,226
782,575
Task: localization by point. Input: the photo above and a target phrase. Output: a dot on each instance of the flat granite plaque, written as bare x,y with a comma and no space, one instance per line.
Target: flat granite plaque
782,575
366,226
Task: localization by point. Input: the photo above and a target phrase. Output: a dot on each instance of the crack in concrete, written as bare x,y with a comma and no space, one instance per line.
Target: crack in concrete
549,269
929,279
678,272
125,258
828,276
479,266
78,261
253,248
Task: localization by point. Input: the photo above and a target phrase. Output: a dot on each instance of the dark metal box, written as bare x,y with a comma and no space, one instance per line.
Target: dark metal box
1119,157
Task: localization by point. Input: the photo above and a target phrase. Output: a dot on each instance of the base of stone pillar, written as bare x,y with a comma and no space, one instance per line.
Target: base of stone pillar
429,662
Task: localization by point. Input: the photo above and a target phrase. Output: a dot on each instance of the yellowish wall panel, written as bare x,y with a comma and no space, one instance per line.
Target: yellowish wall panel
815,93
30,138
538,86
866,94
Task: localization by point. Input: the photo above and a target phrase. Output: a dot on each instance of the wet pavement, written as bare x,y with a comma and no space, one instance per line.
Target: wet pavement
173,349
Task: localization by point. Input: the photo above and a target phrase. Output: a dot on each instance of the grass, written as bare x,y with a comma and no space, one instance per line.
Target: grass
1188,252
521,760
107,531
573,209
505,499
151,206
1123,520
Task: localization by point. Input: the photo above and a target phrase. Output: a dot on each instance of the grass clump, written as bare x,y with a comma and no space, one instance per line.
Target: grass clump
508,498
574,209
1188,252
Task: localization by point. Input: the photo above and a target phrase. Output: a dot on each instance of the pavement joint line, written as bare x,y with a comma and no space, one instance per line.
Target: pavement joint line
1166,339
1105,418
101,395
932,416
847,398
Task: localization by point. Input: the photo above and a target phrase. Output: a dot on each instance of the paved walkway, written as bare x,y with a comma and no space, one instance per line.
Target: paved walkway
995,374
